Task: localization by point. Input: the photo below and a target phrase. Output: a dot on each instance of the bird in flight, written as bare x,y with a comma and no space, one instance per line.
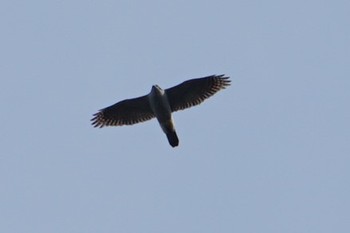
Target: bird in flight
160,104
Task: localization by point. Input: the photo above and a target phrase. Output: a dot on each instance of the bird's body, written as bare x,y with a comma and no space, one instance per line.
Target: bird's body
161,108
161,103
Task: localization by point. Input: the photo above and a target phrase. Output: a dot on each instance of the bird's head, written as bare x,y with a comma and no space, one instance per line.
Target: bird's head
156,89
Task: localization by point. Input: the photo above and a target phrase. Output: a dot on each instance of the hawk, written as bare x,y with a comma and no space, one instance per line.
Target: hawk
160,104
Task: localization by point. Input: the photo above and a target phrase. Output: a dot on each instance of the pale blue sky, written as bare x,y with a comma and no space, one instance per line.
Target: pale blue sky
269,154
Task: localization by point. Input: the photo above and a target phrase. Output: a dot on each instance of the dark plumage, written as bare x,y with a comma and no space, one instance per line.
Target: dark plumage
160,103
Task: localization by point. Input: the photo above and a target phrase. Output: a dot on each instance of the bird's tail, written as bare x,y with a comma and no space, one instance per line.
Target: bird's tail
172,138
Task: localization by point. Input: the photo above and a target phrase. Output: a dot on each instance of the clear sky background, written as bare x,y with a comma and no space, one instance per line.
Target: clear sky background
269,154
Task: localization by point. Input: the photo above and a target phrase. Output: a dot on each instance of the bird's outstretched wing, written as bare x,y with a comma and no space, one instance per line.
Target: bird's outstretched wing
195,91
126,112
